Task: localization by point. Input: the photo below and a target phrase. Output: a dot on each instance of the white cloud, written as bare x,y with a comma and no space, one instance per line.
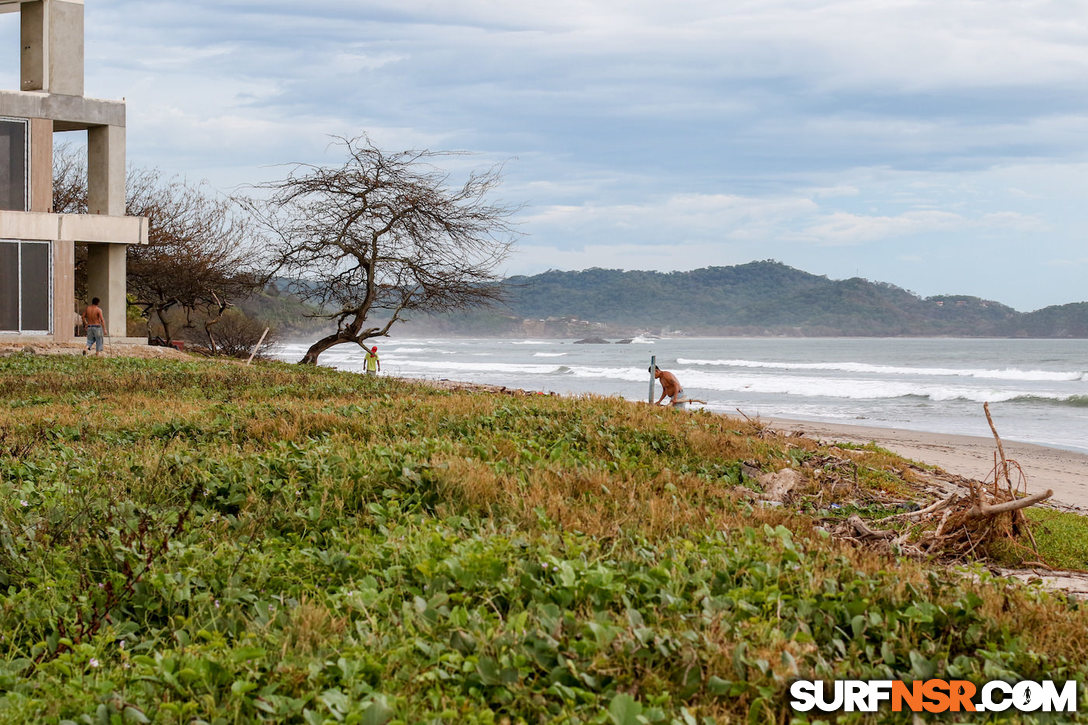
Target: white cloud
835,191
841,228
658,257
677,218
1076,262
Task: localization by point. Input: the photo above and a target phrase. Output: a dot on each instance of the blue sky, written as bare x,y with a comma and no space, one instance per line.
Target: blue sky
940,146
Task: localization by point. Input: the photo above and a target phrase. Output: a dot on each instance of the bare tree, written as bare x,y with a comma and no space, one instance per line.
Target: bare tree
236,335
69,179
200,253
382,235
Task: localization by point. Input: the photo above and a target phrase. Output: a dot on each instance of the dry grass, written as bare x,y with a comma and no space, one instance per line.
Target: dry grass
312,628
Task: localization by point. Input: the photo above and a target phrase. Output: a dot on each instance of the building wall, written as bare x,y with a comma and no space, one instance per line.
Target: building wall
106,280
41,164
66,48
64,290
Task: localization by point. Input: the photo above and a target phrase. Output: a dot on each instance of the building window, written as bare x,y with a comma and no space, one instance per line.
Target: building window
14,152
26,287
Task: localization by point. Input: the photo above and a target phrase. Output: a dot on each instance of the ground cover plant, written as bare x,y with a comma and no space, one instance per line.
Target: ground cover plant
205,541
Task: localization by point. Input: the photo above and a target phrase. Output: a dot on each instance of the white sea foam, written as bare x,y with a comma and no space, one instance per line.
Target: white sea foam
851,388
844,388
453,367
624,374
855,367
549,354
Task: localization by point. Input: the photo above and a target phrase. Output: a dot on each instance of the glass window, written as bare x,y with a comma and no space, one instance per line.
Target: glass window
36,287
13,165
9,286
25,286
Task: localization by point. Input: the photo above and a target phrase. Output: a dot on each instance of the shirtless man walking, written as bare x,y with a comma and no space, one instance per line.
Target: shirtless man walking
670,386
96,325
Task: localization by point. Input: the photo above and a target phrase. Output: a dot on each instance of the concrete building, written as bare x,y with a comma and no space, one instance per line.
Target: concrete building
37,246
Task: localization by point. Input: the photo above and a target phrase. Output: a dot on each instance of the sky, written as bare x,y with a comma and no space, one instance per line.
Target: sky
941,146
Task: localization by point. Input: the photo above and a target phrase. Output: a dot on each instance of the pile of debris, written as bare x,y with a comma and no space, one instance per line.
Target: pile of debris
957,525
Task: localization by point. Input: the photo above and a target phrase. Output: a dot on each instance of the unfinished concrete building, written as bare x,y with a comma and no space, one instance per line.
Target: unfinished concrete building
37,246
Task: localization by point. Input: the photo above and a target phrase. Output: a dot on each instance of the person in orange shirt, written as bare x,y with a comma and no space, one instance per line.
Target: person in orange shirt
96,327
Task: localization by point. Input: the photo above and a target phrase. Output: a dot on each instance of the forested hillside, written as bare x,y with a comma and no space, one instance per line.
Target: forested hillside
759,298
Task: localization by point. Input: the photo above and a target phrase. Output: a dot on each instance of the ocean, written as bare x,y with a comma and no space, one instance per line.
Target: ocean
1037,389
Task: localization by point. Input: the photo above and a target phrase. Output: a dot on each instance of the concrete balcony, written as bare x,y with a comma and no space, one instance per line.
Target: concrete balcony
68,113
79,228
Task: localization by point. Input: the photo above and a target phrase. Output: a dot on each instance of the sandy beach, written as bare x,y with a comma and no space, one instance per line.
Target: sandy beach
1066,472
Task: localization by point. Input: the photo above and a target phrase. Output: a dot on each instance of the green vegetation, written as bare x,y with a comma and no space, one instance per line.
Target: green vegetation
1062,537
205,541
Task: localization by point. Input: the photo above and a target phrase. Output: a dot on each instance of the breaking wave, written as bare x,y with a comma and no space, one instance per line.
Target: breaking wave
856,367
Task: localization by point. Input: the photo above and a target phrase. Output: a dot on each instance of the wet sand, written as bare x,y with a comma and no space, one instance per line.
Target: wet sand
1066,472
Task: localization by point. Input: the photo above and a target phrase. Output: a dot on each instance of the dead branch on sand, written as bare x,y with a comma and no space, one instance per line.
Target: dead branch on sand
956,525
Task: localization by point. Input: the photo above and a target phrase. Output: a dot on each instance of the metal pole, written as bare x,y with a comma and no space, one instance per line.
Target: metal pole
653,364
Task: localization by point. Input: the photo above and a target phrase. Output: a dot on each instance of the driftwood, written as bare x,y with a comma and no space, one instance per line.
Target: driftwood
932,508
957,525
863,529
981,509
1000,448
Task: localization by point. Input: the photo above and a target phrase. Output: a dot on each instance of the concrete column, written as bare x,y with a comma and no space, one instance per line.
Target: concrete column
106,281
51,32
41,164
34,37
106,170
66,47
64,290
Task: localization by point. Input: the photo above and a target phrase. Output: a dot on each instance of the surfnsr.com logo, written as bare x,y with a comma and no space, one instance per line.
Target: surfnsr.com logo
933,696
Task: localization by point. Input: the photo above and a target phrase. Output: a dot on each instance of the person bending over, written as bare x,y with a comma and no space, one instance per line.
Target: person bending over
670,387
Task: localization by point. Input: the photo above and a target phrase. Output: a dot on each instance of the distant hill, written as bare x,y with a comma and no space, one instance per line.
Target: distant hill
758,298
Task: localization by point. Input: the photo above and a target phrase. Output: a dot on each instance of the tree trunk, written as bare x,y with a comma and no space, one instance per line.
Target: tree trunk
161,312
211,338
222,308
337,338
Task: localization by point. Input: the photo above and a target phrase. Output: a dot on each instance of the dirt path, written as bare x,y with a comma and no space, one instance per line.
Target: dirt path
74,348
